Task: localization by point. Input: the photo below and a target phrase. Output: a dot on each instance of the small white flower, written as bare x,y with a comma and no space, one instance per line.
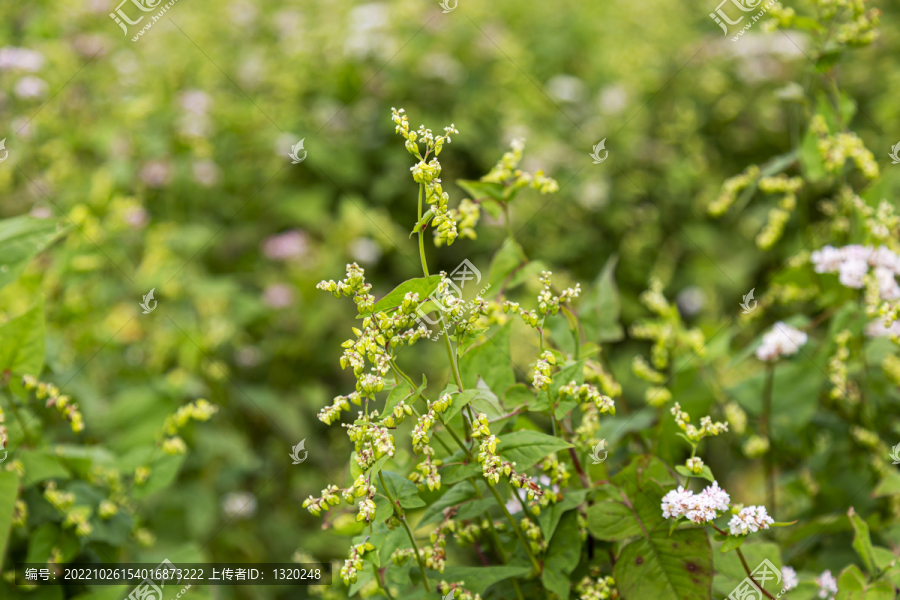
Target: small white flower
676,503
782,340
750,519
827,585
789,578
241,505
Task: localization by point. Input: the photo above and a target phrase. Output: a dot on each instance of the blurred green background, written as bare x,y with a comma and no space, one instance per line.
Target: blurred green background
167,160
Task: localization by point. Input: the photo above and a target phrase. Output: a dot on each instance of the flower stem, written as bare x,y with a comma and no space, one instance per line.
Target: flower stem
409,532
764,427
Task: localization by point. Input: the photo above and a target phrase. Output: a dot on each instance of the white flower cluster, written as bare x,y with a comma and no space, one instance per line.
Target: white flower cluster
852,264
750,519
827,585
20,58
783,340
698,508
789,579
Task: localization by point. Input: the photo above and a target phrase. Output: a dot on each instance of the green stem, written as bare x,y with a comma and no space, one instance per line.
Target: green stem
409,532
422,235
22,422
381,583
764,431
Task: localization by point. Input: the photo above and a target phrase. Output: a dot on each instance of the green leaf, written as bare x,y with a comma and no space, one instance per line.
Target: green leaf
526,448
810,159
664,567
507,259
163,473
21,238
562,556
451,474
602,306
732,542
478,579
549,517
888,486
422,222
9,491
22,342
862,543
403,392
852,585
41,465
481,189
612,522
457,494
489,360
423,286
706,473
402,490
459,402
40,543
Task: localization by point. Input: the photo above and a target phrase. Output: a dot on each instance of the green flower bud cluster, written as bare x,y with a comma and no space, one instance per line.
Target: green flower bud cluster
870,440
401,556
459,592
324,503
542,378
421,434
559,473
596,374
736,417
429,476
837,370
353,285
694,465
891,367
548,304
657,396
107,509
63,404
534,536
529,317
354,564
670,338
398,415
707,427
330,414
371,442
755,446
836,150
436,555
597,587
588,394
199,410
641,368
76,516
778,217
730,189
507,173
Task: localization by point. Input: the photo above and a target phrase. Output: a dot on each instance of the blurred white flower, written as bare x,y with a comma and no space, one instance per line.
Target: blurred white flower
365,251
39,211
566,88
247,356
284,246
613,99
31,87
278,295
136,217
206,172
195,101
691,300
22,127
241,505
22,59
156,173
789,578
90,45
827,585
242,13
877,329
442,66
782,340
366,30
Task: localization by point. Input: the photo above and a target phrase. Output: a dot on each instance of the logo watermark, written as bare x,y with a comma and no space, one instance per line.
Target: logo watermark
295,452
894,153
749,588
595,453
745,6
748,308
6,152
144,6
463,273
601,145
148,590
895,454
146,303
295,150
445,4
